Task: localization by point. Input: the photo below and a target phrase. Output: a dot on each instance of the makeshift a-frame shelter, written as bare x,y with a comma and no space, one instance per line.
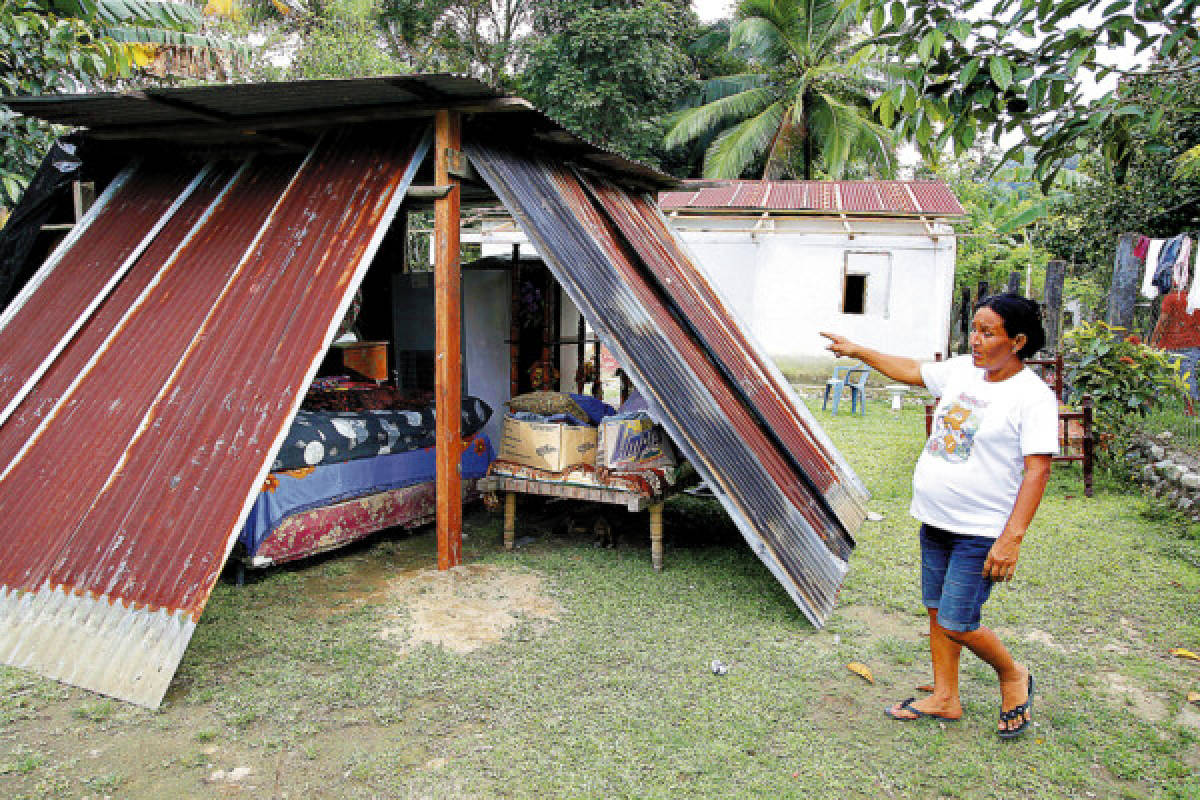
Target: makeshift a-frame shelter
151,366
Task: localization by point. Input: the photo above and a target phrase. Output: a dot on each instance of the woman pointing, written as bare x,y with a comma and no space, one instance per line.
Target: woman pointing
976,487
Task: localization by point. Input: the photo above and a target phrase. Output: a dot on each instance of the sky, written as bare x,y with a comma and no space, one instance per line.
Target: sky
713,9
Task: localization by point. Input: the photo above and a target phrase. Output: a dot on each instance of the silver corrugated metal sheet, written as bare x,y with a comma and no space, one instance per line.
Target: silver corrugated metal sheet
182,384
689,381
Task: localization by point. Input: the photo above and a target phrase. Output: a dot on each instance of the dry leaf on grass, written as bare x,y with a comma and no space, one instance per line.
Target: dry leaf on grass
925,687
1179,652
861,670
1194,698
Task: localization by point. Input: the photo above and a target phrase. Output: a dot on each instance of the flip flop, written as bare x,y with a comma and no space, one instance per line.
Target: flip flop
907,706
1016,713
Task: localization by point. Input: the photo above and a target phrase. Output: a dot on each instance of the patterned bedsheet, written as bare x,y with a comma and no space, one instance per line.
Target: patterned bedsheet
332,437
291,492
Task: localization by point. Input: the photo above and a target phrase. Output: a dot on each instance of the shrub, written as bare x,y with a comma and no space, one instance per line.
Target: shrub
1125,378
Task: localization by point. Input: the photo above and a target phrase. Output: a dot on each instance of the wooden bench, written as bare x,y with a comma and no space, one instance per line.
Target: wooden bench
633,501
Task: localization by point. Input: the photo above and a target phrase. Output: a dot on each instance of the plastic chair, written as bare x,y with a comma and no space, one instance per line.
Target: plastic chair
856,382
853,376
835,384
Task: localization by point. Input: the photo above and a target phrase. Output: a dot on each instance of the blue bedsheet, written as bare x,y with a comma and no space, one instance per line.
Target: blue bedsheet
325,484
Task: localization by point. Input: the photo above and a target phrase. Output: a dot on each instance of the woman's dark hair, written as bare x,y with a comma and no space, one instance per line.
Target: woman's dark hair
1020,315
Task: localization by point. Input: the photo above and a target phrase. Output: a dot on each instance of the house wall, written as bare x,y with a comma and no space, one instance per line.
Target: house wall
786,281
784,277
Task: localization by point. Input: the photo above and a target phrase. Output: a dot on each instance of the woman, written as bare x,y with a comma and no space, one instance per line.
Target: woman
976,487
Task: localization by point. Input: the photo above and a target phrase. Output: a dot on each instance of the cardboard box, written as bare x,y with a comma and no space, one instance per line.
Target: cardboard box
631,444
548,446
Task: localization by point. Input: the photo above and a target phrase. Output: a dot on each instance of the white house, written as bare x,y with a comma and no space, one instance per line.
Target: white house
873,260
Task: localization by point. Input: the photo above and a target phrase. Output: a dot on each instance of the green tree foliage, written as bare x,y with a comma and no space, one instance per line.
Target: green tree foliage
1146,196
990,246
610,69
42,53
801,103
990,67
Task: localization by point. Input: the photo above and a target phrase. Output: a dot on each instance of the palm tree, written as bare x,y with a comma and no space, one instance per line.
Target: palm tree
166,37
805,98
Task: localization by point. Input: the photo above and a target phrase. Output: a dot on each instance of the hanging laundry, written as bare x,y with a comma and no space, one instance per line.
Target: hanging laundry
1179,273
1164,275
1140,247
1152,251
1193,297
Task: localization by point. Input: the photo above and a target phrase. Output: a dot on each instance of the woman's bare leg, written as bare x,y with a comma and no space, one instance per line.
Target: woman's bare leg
1014,677
944,652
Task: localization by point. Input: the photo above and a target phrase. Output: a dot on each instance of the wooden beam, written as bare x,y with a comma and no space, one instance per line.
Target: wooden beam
447,284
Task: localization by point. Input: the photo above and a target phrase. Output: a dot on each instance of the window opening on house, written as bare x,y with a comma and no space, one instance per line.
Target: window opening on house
854,295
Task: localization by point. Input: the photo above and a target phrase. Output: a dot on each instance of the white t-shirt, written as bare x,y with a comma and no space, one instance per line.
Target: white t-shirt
967,477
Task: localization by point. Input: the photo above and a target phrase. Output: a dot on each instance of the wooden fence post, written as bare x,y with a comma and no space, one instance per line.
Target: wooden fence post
1127,273
1014,282
1056,272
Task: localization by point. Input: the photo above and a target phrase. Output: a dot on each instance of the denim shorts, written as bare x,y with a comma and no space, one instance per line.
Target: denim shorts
952,576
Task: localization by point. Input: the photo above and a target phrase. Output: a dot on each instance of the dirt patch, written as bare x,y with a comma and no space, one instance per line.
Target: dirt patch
467,607
880,623
1141,704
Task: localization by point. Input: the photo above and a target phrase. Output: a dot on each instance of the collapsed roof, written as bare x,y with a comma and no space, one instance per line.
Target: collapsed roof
175,329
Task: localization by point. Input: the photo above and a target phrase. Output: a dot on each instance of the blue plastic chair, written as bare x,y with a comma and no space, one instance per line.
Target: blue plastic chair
852,376
856,382
834,386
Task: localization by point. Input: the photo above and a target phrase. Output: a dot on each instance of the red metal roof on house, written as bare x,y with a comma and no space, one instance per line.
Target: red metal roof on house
906,198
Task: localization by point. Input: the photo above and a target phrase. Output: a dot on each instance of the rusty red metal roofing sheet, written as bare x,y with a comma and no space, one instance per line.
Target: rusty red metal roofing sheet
113,561
786,194
860,197
754,379
933,198
63,293
715,423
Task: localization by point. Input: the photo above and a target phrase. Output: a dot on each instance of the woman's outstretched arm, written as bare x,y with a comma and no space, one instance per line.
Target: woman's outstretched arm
898,368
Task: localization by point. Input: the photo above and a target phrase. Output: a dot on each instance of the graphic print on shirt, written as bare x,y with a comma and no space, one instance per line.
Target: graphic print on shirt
954,429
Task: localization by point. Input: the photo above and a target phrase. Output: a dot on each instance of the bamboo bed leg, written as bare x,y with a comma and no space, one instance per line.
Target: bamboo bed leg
510,519
656,536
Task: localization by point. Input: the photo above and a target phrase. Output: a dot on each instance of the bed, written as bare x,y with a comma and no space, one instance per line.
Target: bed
344,474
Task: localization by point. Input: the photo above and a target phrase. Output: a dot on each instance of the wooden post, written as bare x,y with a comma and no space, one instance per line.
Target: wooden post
1014,283
1127,274
448,342
1056,272
1089,445
982,291
510,519
964,321
656,536
514,326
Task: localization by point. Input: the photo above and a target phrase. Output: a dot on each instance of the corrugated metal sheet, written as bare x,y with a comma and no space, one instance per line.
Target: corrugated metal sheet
68,288
289,113
909,198
188,384
684,354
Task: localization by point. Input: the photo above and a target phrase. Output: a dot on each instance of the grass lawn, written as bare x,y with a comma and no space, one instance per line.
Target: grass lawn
308,682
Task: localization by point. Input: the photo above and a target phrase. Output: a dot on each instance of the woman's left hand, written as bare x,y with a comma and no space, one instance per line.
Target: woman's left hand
1001,563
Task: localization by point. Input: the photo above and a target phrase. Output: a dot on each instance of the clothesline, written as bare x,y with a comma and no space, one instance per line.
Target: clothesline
1169,266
